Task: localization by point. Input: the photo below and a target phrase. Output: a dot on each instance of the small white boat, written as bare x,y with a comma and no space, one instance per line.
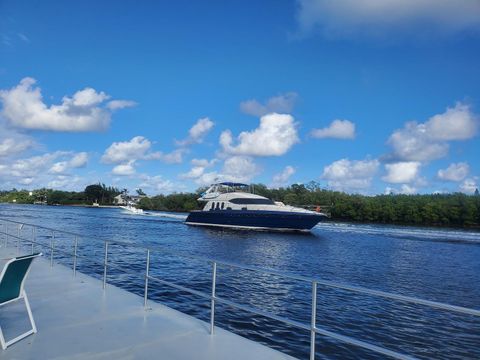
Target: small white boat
132,209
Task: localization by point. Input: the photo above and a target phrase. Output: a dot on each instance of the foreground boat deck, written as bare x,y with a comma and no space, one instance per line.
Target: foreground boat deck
77,319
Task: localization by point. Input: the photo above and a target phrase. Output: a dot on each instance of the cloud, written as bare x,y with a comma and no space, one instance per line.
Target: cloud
125,154
124,169
65,182
23,37
276,134
239,169
38,170
404,189
158,183
402,172
208,178
79,160
198,169
283,103
120,104
469,185
282,178
428,141
197,132
11,146
457,123
173,157
338,129
348,175
23,107
455,172
122,151
381,18
235,168
413,143
29,167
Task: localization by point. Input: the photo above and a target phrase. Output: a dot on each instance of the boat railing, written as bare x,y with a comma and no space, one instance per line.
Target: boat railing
16,234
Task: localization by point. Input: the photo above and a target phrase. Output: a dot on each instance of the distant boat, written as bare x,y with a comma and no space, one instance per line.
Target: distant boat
96,204
231,205
129,207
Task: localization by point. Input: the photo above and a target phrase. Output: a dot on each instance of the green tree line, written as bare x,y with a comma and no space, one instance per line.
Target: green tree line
456,209
100,193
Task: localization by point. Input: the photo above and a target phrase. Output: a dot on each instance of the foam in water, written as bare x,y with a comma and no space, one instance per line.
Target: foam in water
421,233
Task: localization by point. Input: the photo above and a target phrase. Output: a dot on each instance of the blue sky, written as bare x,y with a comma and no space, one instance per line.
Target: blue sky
361,96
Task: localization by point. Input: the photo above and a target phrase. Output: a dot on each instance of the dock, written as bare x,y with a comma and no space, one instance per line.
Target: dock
77,319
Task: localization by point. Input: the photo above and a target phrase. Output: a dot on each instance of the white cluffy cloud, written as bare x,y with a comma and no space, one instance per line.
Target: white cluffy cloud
197,132
348,175
158,184
283,103
123,151
125,154
276,134
239,168
235,168
50,169
79,160
338,129
402,172
138,148
428,141
198,168
120,104
455,172
282,178
469,185
86,110
11,146
380,17
126,169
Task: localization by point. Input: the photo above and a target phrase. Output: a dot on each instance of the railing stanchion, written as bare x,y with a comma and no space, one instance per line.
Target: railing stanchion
147,274
52,248
6,235
212,302
105,265
313,320
75,245
34,238
18,237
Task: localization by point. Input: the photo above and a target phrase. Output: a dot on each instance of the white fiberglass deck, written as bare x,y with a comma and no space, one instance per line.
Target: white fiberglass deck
77,319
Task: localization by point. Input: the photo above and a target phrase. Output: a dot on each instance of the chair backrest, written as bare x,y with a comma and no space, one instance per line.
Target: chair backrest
13,276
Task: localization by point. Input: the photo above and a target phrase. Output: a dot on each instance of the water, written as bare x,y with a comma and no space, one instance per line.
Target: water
434,264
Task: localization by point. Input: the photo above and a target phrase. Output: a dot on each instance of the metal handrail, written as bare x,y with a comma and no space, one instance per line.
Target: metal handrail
214,298
327,283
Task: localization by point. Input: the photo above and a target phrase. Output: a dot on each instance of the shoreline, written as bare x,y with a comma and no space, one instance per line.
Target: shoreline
339,221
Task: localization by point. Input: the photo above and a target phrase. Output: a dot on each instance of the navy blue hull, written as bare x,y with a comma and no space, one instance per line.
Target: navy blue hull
275,220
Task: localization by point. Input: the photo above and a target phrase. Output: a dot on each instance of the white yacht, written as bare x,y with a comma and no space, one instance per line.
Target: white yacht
230,204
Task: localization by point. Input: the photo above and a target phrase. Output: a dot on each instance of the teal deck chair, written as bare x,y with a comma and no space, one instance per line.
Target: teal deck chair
12,281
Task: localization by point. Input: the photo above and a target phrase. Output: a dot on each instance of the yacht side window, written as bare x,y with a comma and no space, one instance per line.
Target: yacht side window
213,206
223,205
217,207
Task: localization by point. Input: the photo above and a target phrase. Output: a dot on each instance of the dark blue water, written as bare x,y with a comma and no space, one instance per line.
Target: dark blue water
434,264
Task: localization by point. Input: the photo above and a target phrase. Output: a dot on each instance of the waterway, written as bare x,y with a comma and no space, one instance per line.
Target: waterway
435,264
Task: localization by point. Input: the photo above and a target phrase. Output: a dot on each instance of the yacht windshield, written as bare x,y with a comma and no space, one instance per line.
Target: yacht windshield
246,201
